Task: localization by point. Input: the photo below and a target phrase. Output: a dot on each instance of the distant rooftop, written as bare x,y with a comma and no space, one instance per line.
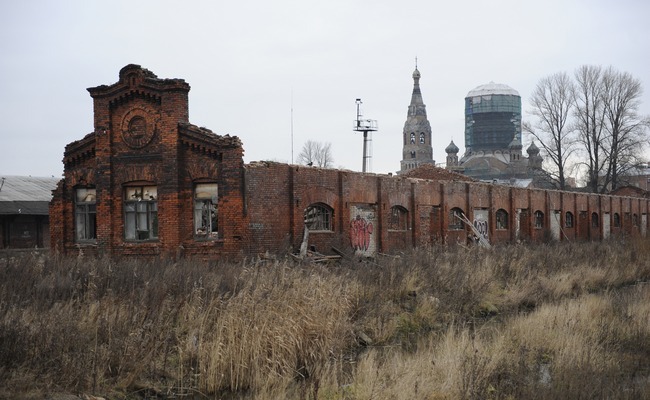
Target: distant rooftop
26,194
492,89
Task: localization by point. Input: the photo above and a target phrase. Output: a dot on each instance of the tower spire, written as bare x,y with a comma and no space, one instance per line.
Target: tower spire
417,148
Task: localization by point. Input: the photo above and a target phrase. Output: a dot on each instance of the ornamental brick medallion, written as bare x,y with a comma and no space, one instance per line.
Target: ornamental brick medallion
138,128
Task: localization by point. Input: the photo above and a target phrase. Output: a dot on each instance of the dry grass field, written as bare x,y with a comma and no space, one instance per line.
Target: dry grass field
546,321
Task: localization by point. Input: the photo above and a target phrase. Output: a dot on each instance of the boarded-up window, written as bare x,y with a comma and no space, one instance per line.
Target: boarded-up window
398,219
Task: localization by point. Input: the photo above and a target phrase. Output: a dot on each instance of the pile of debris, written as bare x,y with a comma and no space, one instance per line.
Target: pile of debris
431,172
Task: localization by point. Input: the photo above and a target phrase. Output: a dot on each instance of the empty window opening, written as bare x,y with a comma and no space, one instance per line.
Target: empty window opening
318,217
456,217
539,219
85,214
502,219
594,220
205,211
617,220
568,220
141,213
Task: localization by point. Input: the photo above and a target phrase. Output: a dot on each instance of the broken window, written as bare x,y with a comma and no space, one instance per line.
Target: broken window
141,213
456,219
398,220
85,214
205,211
318,217
502,219
539,219
568,220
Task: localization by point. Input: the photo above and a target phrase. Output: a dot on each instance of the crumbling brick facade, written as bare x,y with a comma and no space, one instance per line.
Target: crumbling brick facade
160,186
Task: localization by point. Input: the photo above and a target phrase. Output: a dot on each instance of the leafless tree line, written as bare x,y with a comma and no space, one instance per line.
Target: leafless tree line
591,122
317,154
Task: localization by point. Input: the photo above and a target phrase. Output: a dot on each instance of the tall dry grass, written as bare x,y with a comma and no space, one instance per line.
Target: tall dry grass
568,320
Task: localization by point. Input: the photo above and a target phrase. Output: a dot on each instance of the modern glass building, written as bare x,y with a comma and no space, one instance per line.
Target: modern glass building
492,118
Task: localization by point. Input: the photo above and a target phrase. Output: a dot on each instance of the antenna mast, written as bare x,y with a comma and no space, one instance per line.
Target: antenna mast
365,126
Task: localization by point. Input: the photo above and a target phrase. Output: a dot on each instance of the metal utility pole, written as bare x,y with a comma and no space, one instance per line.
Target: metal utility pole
365,126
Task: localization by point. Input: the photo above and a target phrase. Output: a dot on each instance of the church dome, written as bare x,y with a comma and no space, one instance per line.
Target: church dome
532,149
515,144
492,89
452,148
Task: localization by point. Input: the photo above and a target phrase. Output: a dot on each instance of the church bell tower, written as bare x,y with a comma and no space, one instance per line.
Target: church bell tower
417,148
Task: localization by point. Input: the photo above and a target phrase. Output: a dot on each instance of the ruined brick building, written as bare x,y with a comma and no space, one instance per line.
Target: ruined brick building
146,181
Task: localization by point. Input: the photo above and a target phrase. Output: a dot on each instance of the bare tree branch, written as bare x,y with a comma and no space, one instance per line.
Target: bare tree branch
317,154
551,104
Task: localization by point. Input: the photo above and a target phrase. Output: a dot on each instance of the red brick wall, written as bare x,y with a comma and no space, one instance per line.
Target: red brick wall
261,205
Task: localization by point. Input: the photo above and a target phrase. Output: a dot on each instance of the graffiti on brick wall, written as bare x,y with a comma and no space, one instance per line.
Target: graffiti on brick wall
362,223
481,222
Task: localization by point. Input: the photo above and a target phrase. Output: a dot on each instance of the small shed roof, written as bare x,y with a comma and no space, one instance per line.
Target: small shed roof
26,194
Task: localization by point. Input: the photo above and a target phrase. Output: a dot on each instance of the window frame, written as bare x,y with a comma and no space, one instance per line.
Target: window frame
323,218
144,212
208,198
617,220
87,210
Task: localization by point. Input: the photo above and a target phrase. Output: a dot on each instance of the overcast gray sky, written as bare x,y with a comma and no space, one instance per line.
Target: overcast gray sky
250,62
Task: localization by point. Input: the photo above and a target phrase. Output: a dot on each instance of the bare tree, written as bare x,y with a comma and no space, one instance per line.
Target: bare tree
589,122
551,104
627,131
317,154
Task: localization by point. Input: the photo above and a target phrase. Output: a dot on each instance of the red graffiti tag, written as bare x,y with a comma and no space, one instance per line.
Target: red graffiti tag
360,231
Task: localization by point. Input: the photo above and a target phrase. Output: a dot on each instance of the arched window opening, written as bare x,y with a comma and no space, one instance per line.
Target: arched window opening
456,217
568,219
318,217
502,219
594,220
617,220
539,219
421,137
398,219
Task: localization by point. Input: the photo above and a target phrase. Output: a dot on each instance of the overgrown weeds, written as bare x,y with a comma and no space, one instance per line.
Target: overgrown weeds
522,321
